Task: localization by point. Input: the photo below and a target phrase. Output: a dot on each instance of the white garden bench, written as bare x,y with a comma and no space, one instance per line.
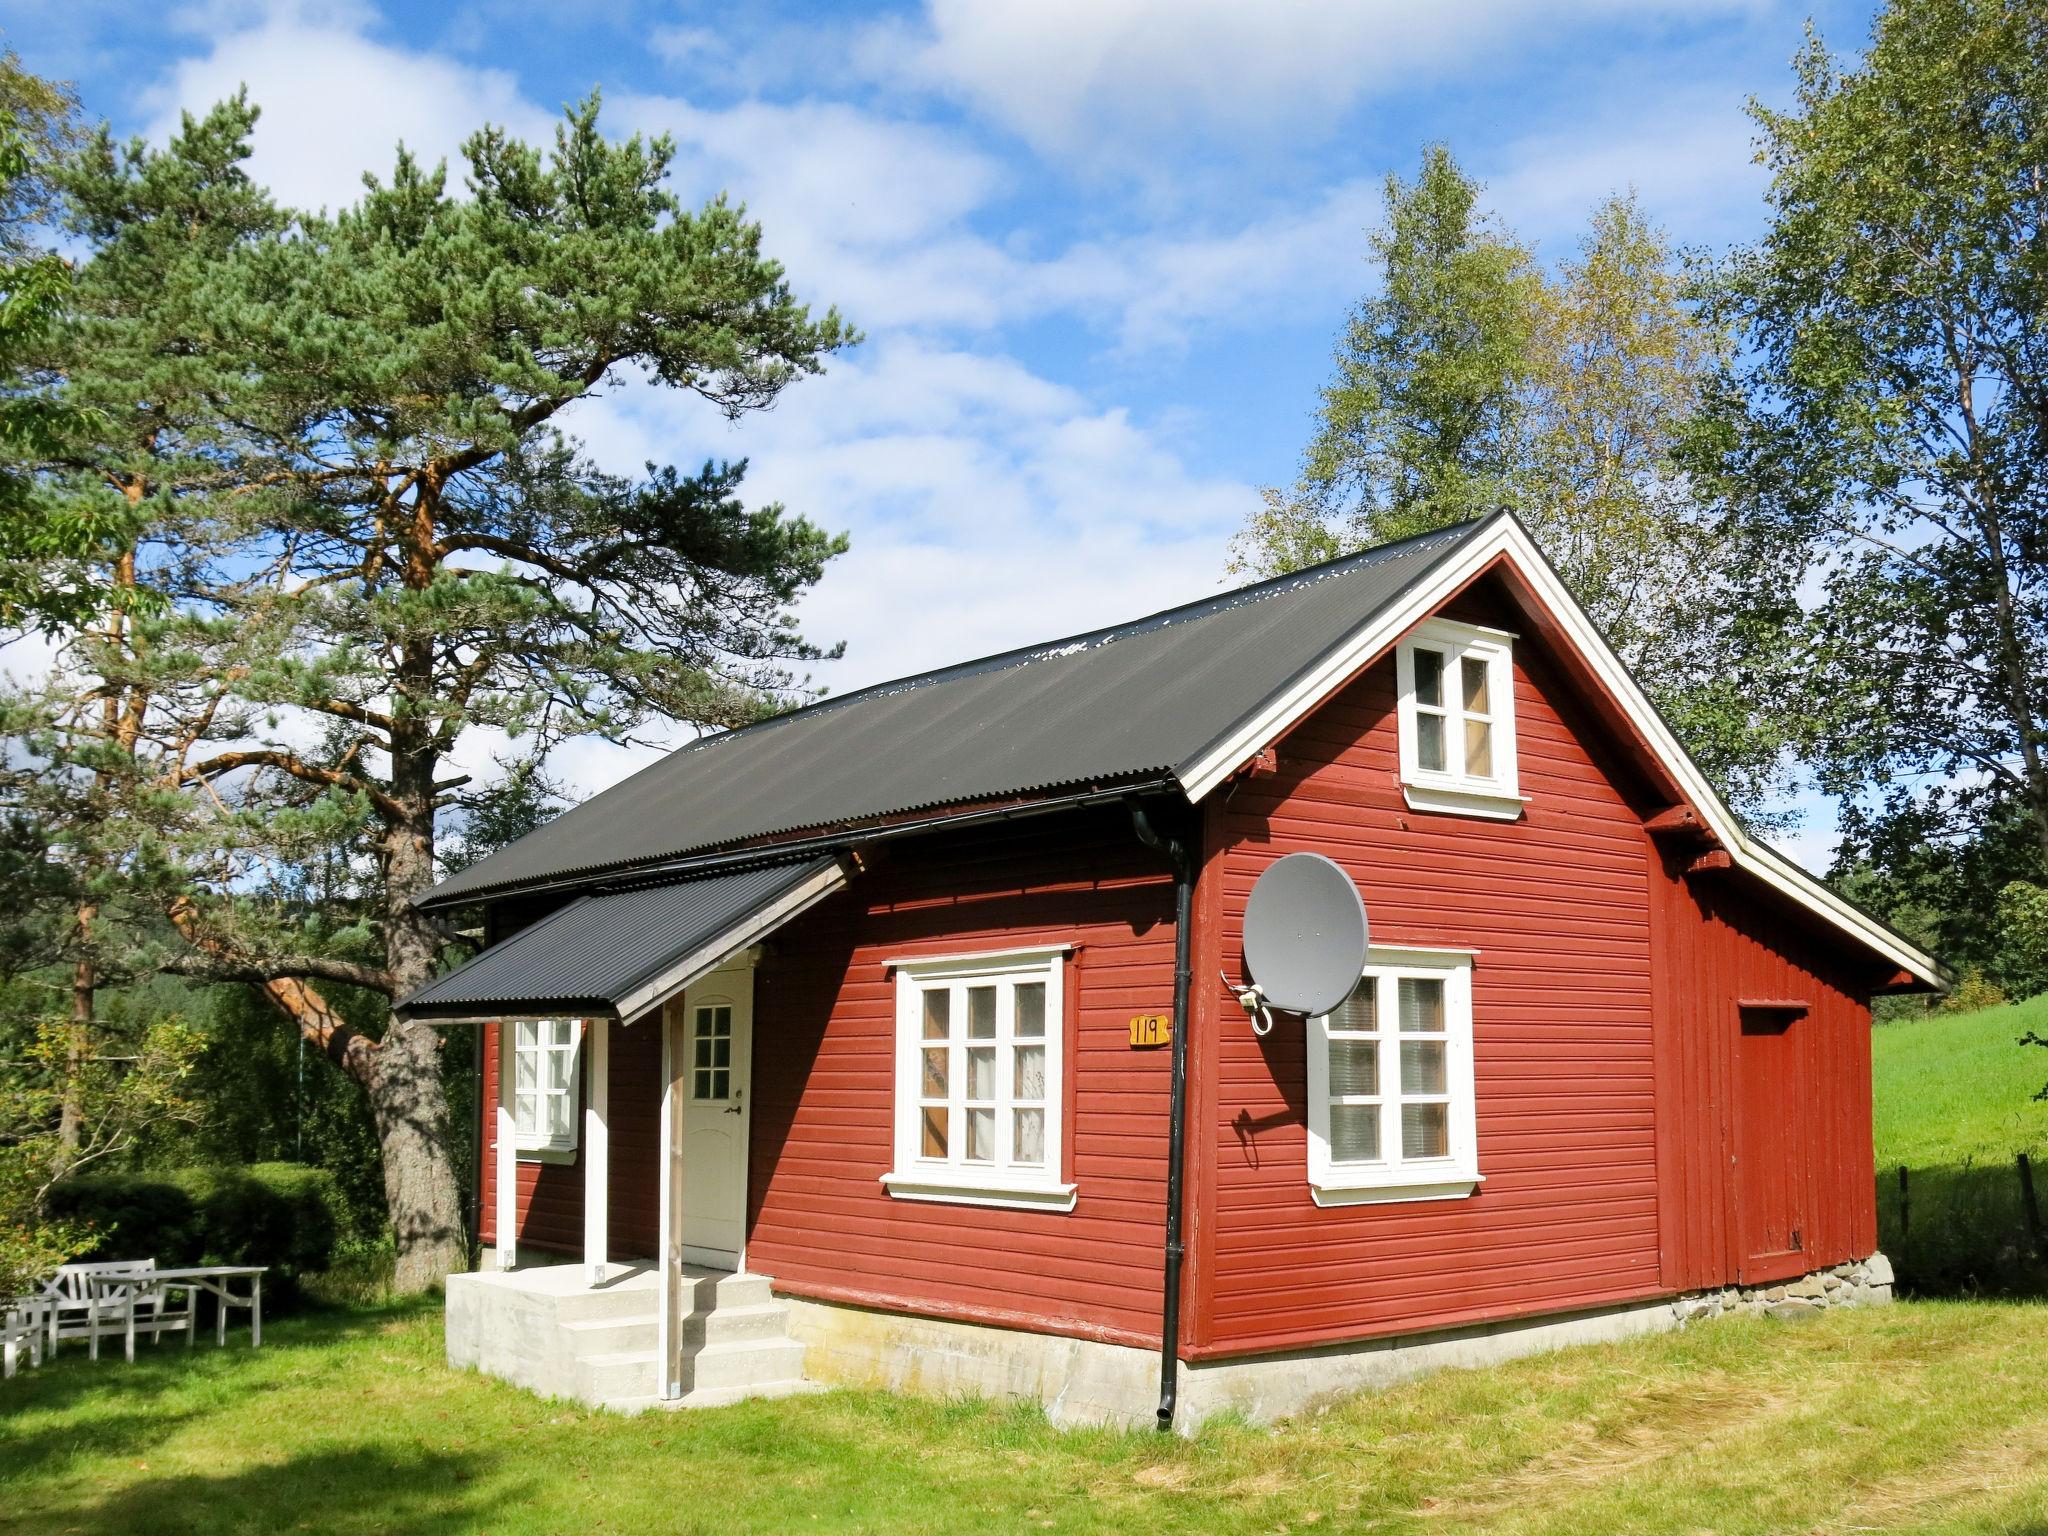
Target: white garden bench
22,1324
82,1300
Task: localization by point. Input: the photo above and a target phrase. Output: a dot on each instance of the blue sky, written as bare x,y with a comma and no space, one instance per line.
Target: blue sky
1101,249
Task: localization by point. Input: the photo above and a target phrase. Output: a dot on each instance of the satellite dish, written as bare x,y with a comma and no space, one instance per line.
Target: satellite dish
1304,934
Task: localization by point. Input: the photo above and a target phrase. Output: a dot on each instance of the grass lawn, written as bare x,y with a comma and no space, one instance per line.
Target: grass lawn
1955,1088
1928,1416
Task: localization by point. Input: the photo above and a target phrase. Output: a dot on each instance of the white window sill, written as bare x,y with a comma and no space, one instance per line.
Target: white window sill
545,1154
953,1187
1494,805
1383,1189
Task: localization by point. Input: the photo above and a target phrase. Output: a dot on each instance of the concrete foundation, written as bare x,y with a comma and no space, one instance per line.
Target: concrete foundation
1080,1381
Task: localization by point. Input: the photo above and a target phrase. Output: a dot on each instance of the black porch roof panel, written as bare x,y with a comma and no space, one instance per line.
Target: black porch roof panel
620,954
1147,697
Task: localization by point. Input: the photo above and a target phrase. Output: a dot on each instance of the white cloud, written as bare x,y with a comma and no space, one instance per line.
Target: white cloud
988,507
1686,153
336,104
1100,79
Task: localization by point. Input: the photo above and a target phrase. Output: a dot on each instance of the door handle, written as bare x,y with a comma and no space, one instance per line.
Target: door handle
734,1107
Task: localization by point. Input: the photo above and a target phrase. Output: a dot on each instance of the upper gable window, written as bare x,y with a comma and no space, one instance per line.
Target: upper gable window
1457,720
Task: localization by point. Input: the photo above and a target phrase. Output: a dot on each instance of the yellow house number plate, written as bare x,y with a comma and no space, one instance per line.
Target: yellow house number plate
1152,1029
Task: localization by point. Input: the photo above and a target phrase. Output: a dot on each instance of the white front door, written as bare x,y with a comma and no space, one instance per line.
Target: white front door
712,1037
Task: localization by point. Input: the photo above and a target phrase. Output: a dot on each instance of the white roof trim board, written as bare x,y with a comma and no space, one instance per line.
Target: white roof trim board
1504,536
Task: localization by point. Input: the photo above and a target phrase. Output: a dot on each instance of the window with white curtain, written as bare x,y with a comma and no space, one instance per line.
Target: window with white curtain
1457,720
979,1077
1390,1083
544,1084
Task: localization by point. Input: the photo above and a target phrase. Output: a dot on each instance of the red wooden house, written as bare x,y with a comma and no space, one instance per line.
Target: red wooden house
825,1050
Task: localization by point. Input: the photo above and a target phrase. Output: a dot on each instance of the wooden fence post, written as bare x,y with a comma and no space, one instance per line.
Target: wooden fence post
2030,1208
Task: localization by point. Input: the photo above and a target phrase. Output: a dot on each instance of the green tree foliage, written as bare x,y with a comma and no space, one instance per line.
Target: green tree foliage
438,555
39,542
1888,411
1473,379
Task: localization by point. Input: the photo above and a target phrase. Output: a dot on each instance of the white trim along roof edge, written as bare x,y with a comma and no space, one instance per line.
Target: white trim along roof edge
1505,536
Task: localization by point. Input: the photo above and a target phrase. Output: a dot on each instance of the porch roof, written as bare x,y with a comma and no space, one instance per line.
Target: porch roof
620,954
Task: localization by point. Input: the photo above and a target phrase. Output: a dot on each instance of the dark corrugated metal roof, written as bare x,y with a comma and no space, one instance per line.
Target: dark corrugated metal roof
598,951
1148,696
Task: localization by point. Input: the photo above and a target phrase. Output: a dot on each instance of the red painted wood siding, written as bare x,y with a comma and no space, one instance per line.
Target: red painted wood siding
1558,906
824,1085
550,1196
1723,940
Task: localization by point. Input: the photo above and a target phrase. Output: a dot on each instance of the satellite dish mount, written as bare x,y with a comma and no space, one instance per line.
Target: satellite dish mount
1305,940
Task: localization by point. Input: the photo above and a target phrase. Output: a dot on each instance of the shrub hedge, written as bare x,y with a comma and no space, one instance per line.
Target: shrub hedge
284,1215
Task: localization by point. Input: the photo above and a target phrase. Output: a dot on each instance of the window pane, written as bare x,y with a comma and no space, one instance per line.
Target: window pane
1429,677
526,1113
564,1031
1422,1005
721,1053
935,1133
1354,1133
1029,1079
1478,749
721,1085
526,1035
1354,1067
1361,1010
981,1013
981,1072
1030,1010
981,1135
1425,1130
1029,1146
558,1115
1429,742
1474,671
702,1053
701,1089
558,1071
1422,1067
938,1011
935,1073
526,1071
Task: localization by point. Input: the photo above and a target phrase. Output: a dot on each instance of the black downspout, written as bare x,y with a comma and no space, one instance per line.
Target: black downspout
1177,1113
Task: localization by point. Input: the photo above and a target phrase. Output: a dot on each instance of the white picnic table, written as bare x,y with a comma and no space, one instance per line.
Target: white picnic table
125,1290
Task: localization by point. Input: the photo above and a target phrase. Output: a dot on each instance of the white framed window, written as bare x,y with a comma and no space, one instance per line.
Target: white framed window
980,1079
1390,1098
545,1058
1456,713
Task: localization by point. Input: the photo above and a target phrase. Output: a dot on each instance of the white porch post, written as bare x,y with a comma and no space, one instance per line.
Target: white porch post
596,1146
508,1153
668,1322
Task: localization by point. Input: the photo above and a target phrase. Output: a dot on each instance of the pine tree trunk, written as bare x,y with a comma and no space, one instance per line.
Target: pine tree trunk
406,1095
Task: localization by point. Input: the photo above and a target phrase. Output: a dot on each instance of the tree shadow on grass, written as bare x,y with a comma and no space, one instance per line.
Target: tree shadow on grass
365,1490
1961,1230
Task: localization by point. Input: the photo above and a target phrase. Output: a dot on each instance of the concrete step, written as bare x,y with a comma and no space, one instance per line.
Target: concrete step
589,1336
721,1397
744,1291
619,1376
745,1364
638,1299
738,1325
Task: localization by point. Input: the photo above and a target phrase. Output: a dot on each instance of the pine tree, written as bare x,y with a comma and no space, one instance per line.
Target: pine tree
441,557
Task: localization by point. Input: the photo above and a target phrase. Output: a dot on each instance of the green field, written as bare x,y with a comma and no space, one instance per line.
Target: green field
1925,1416
1955,1088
